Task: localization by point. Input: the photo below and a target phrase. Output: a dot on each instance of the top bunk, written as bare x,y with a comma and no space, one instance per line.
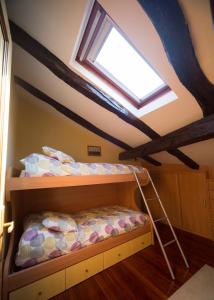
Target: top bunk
16,183
29,183
56,169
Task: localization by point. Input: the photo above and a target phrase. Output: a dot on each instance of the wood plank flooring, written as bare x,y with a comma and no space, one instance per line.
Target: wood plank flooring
144,276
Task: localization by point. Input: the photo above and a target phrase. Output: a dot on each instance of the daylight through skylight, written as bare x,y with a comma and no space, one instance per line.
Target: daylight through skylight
123,62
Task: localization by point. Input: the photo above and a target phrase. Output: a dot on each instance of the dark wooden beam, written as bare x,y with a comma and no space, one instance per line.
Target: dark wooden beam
170,23
56,66
151,161
76,118
184,158
195,132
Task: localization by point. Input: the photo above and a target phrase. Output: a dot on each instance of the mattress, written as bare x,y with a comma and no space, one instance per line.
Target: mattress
38,243
37,165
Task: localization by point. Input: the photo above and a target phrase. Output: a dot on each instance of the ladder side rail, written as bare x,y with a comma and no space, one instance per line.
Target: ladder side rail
154,226
169,223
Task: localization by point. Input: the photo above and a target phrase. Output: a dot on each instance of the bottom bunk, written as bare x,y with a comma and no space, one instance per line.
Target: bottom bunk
53,277
50,277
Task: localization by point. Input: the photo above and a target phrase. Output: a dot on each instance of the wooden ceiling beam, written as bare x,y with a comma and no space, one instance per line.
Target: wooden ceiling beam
184,158
76,118
56,66
169,21
195,132
151,160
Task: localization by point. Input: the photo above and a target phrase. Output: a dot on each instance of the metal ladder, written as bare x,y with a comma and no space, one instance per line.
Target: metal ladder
175,240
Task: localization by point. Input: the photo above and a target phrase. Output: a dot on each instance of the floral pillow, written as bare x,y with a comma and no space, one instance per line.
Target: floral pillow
59,155
59,222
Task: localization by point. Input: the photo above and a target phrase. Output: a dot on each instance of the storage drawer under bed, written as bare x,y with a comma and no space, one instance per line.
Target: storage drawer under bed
83,270
117,254
125,250
54,284
141,242
42,289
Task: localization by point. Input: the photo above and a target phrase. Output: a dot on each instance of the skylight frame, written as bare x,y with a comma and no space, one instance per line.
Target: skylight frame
98,27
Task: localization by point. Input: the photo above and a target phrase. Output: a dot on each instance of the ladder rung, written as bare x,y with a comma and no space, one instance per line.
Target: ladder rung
169,243
160,219
154,198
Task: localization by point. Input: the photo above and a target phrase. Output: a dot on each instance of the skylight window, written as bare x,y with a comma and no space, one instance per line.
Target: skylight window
106,51
123,64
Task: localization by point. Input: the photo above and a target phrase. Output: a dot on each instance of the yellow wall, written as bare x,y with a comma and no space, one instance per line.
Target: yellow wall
34,124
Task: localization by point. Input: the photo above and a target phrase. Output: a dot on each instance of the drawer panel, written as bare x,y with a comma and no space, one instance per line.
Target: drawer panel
141,242
74,274
117,254
83,270
94,265
42,289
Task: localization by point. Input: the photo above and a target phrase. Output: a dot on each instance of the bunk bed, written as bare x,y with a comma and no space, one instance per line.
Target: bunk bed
27,195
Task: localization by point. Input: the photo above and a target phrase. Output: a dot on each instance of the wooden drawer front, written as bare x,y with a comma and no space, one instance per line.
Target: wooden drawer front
42,289
94,265
84,270
117,254
141,242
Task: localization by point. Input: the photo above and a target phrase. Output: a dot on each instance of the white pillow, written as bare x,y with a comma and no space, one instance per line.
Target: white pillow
59,155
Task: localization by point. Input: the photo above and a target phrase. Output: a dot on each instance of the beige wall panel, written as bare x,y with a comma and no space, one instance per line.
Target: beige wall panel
187,197
194,203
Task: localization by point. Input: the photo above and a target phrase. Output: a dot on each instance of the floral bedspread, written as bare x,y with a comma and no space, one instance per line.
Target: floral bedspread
37,165
39,243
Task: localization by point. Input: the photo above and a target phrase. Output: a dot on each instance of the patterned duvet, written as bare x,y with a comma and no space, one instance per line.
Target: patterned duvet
38,243
37,165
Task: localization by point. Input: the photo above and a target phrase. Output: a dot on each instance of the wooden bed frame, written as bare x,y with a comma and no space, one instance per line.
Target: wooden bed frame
66,194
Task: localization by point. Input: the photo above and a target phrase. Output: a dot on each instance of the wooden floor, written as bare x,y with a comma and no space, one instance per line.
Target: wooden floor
144,276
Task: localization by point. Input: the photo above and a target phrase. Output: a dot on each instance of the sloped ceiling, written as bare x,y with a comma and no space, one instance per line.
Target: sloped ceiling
58,25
